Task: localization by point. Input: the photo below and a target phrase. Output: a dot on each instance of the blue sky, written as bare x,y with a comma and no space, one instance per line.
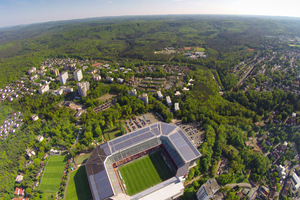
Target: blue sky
15,12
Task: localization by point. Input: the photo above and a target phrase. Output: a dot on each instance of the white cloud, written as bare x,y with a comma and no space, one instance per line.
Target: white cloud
109,2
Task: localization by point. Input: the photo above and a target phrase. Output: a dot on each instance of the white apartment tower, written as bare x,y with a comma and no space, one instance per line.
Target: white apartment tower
168,100
132,92
83,87
159,94
63,77
144,98
77,75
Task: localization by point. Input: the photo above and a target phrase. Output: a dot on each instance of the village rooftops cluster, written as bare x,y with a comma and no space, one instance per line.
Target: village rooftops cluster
11,124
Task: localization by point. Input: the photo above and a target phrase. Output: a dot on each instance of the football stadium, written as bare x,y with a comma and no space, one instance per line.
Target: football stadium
149,163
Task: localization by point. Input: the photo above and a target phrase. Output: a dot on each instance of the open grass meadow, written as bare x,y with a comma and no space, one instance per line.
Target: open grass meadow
78,188
81,159
111,134
53,173
144,173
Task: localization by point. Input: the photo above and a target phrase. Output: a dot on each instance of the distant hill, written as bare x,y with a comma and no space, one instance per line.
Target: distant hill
132,37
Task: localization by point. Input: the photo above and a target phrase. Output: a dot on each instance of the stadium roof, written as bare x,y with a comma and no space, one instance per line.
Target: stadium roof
99,180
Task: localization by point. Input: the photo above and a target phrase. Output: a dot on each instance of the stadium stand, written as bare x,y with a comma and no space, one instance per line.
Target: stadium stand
103,179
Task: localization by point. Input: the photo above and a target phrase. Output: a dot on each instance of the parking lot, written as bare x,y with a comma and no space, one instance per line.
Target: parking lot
141,121
106,105
195,132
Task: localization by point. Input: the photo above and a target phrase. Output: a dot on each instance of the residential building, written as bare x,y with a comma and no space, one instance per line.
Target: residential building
19,178
33,77
109,79
159,94
44,89
67,89
97,64
176,107
78,114
185,89
72,67
177,93
297,181
39,138
144,98
132,92
120,80
59,92
85,67
31,70
63,77
207,190
34,117
293,119
77,75
168,100
96,77
83,87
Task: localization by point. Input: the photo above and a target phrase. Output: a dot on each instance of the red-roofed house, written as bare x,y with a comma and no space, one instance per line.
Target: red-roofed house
20,192
97,64
17,190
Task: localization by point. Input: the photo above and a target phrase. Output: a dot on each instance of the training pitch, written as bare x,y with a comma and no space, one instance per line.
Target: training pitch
145,172
53,173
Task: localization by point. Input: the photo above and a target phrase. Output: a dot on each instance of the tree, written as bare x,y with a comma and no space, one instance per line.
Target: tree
123,130
224,179
97,132
28,190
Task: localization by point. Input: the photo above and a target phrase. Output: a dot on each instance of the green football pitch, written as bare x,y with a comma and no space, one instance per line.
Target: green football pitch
144,173
53,173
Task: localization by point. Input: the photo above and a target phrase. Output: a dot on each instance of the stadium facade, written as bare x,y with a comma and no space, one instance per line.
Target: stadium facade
100,167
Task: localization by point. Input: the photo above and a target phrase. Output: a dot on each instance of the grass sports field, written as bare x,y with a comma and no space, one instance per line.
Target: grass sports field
145,172
78,188
200,49
53,173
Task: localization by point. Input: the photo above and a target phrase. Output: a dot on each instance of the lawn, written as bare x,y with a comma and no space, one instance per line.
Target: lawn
200,49
78,188
107,96
53,173
144,173
48,196
111,134
81,159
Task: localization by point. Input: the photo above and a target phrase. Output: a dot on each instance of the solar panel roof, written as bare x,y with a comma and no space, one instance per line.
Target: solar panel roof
182,147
